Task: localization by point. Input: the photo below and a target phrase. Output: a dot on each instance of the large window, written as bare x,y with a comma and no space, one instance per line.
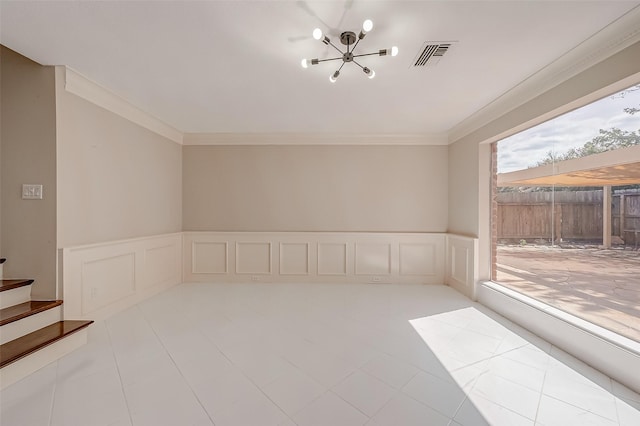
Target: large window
566,219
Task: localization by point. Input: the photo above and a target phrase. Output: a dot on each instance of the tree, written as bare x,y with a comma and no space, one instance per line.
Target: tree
607,140
622,94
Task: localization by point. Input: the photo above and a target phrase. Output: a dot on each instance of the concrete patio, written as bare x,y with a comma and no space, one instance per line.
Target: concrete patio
598,285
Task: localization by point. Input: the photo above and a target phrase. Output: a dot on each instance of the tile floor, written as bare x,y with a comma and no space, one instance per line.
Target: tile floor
313,354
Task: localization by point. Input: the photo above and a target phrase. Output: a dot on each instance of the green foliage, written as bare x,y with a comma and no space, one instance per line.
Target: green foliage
607,140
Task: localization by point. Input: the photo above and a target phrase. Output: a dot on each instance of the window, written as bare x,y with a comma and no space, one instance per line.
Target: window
566,217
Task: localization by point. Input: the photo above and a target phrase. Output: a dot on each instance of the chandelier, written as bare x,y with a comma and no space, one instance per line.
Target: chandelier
349,39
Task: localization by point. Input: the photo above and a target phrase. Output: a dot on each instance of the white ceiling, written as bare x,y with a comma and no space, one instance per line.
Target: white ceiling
234,66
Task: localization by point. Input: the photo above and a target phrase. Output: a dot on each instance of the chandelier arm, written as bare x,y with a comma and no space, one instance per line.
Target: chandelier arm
354,46
358,64
330,59
367,54
335,47
339,69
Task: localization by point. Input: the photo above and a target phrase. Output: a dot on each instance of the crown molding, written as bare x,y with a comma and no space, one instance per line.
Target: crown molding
86,89
615,37
313,139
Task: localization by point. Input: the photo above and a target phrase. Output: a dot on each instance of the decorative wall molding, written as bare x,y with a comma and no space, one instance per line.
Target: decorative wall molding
462,264
81,86
612,39
210,257
332,258
295,258
253,257
101,279
312,139
314,257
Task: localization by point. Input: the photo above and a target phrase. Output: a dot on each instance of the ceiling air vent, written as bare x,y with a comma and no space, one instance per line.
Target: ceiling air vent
431,52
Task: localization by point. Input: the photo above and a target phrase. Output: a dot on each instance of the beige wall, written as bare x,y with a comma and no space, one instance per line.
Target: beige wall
463,181
469,157
116,179
315,188
28,142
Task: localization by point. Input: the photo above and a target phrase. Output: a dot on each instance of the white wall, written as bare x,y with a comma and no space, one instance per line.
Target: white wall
28,146
116,179
463,181
315,188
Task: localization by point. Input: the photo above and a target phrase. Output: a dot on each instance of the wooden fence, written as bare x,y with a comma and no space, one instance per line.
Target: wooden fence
565,215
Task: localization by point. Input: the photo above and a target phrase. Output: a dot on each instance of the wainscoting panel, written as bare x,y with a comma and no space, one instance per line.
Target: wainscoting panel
462,264
418,259
373,259
100,279
210,258
314,257
294,259
162,265
111,279
332,259
253,258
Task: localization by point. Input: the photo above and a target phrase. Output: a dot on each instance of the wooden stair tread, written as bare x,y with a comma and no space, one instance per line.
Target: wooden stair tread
11,284
23,310
29,343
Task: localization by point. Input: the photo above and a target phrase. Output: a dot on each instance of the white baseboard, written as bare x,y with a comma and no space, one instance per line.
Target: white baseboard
608,352
340,257
102,279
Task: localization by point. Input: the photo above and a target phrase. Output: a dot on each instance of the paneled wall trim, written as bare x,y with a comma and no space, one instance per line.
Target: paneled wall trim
462,264
314,257
101,279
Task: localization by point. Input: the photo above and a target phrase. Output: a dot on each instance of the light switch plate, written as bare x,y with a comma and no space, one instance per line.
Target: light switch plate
31,192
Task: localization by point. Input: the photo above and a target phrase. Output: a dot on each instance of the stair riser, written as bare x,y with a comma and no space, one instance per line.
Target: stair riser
15,296
25,366
29,324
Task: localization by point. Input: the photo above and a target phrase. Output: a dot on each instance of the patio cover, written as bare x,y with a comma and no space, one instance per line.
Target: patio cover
611,168
607,169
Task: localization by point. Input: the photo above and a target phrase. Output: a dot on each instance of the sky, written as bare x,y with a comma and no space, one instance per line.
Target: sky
570,130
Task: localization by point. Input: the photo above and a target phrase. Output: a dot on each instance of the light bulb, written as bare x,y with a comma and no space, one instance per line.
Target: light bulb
367,26
317,33
394,50
369,72
304,63
334,76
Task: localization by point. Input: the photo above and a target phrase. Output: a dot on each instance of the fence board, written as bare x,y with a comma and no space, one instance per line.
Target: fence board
573,215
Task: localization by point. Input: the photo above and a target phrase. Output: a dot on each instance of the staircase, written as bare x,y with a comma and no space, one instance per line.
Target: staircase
32,333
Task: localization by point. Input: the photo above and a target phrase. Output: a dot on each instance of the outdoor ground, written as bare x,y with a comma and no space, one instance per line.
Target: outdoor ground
601,286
